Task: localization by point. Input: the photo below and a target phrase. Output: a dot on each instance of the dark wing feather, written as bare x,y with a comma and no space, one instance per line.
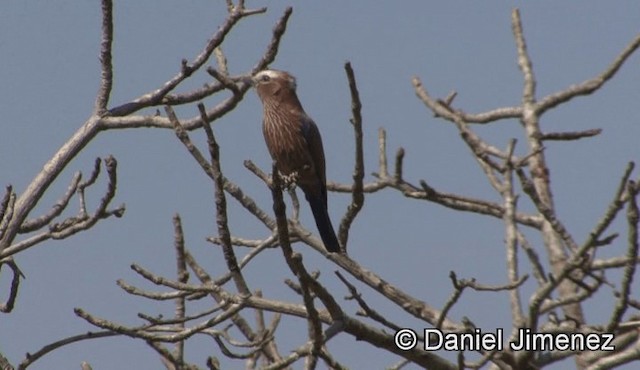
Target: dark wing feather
314,143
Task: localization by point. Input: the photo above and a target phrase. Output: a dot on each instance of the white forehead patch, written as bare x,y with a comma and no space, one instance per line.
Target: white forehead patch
278,75
270,73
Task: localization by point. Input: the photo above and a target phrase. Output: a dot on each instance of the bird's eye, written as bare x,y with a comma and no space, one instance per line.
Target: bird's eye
265,78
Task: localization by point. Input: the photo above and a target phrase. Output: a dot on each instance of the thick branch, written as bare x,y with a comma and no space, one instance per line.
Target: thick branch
106,78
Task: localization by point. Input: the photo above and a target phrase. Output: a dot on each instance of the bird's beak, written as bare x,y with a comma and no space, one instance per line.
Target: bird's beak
248,80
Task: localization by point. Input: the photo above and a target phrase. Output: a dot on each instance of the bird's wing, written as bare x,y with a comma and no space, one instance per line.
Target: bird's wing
311,134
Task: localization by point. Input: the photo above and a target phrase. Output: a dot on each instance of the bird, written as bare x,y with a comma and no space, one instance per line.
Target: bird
295,144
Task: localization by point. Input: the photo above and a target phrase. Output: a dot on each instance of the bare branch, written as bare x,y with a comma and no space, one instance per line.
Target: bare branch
221,207
632,255
558,227
221,296
87,183
143,332
382,153
524,62
156,97
294,260
442,109
106,79
463,203
34,192
33,357
8,305
6,208
56,210
628,355
75,224
574,135
272,50
366,309
619,199
411,305
183,277
457,293
574,274
511,235
258,172
357,201
223,79
221,60
589,86
534,259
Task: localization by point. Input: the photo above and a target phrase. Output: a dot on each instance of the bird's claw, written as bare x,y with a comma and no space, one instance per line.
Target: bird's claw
289,181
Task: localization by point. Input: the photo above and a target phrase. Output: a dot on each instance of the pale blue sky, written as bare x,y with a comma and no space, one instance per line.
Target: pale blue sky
49,73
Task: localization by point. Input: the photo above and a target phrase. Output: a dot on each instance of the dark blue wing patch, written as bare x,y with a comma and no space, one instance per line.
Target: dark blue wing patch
308,127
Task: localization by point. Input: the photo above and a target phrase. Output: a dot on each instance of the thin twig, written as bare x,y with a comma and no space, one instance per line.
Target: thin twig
589,86
8,305
35,224
357,201
366,308
221,207
620,197
272,49
183,277
187,68
574,135
632,254
33,357
511,235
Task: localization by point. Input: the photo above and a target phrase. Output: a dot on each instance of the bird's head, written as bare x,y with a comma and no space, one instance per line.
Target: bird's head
273,84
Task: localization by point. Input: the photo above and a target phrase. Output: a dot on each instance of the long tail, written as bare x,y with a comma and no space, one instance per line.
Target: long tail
319,210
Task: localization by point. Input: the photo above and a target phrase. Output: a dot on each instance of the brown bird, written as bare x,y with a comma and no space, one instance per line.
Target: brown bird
295,144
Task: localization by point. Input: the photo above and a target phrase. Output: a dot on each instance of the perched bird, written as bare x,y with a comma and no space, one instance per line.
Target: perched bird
295,144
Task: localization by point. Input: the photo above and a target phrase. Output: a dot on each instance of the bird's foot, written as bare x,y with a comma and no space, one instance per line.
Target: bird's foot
289,181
